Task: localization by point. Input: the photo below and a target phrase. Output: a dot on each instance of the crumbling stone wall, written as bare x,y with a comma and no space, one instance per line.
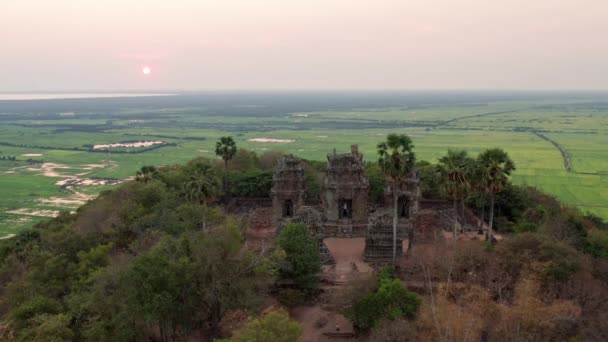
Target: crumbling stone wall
345,194
379,238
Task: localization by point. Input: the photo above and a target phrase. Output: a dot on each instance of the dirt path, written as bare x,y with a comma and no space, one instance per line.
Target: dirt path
320,319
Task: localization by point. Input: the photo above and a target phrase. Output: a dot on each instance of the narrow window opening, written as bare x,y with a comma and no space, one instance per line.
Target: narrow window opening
288,208
404,207
345,208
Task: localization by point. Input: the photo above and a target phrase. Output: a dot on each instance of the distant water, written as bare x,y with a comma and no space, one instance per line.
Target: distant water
48,96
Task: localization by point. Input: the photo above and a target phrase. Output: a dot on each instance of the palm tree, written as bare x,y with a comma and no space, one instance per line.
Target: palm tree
397,161
455,168
225,148
201,187
495,167
146,174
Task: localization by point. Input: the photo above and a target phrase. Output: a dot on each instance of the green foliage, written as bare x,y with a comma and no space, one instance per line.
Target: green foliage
397,160
456,170
597,243
202,182
430,179
494,166
302,259
365,313
274,326
554,261
51,328
225,148
250,184
391,301
35,306
397,300
244,161
291,297
377,182
146,173
313,179
396,156
131,262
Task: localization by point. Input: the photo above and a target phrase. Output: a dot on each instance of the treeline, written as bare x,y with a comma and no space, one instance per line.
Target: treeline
89,148
14,158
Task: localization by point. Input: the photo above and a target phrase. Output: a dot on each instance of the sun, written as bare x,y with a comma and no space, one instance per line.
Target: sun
146,70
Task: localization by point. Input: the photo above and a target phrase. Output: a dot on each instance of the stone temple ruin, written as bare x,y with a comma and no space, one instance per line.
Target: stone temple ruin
345,194
344,209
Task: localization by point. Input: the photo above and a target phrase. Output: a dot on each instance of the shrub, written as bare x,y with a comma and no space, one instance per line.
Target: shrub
391,300
302,259
291,297
250,184
597,243
275,326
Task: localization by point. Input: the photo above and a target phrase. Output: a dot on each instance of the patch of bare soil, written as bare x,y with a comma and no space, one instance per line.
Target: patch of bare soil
319,324
132,144
7,236
348,254
34,212
324,322
271,140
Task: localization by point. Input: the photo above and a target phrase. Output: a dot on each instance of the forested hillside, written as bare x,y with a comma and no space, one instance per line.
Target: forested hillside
165,258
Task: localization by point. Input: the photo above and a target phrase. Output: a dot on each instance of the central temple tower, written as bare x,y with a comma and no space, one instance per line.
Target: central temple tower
345,194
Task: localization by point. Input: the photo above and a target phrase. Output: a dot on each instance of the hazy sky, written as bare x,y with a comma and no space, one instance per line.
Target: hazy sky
303,44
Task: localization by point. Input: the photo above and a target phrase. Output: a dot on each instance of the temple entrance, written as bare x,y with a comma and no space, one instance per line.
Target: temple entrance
288,208
345,208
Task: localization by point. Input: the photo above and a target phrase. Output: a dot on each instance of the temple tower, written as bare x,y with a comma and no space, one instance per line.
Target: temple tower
345,194
287,189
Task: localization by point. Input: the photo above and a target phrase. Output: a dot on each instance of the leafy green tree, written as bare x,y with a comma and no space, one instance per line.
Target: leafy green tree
397,160
455,169
146,174
226,149
274,326
377,182
391,300
251,184
494,169
51,328
302,259
430,180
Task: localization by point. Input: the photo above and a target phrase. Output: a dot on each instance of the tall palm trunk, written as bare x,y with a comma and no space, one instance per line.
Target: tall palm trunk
226,176
483,215
491,223
464,220
395,214
455,218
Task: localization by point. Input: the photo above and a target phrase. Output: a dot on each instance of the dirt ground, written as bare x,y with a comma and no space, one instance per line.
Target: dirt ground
319,319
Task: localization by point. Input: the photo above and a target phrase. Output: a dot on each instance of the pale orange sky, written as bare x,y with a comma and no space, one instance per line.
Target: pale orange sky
311,44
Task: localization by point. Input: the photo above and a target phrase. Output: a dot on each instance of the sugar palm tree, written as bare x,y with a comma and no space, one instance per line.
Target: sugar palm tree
495,167
146,174
201,187
455,168
225,148
397,161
